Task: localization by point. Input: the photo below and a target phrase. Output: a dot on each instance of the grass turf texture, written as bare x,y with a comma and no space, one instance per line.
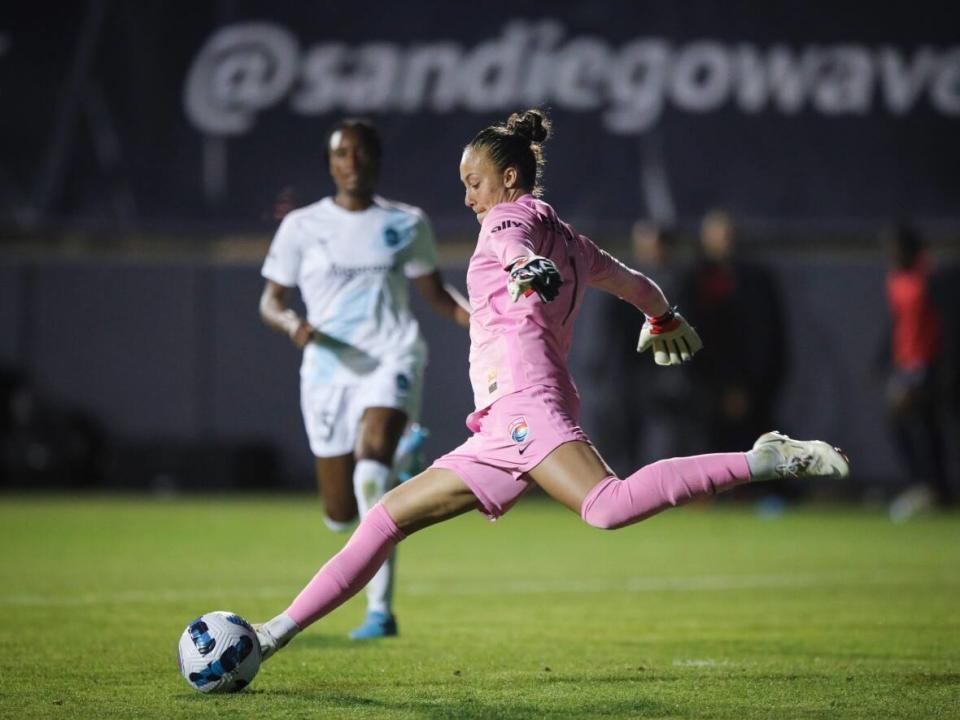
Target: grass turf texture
698,613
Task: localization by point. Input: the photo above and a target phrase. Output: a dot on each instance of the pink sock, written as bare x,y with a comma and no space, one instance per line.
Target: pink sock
347,572
614,502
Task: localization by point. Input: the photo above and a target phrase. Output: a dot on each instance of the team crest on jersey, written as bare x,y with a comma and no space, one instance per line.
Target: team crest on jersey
519,429
396,236
391,237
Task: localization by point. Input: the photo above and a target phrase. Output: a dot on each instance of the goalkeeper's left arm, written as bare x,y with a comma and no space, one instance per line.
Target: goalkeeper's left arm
673,339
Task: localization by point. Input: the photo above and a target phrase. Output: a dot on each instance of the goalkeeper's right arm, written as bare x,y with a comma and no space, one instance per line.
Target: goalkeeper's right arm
534,274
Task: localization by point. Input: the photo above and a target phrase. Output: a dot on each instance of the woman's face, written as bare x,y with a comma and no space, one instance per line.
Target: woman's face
353,166
485,185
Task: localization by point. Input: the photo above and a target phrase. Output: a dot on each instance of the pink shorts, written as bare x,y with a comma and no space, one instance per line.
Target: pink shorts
510,438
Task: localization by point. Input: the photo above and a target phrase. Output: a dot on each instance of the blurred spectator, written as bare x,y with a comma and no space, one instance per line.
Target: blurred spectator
644,416
44,446
916,402
737,309
287,201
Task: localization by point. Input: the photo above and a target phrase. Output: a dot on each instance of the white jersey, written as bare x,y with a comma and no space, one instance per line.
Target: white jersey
352,270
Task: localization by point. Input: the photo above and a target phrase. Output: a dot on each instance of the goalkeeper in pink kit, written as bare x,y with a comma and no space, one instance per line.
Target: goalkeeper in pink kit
526,282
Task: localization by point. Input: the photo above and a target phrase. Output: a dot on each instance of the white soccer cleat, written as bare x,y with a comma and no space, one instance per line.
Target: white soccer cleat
268,643
788,458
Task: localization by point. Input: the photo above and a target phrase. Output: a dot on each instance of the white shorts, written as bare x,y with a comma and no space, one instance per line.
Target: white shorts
332,413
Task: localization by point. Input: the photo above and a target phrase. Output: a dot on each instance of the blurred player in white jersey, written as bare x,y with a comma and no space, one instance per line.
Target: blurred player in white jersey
351,256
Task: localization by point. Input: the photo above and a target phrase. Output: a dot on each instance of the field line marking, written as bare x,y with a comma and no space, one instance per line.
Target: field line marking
693,583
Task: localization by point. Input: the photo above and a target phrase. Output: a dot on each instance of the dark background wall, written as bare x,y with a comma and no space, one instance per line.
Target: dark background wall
172,355
137,131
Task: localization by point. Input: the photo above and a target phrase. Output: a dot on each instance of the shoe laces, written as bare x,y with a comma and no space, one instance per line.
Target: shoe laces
794,466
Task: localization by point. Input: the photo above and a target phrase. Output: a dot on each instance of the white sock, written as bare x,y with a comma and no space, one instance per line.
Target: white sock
337,526
282,628
763,463
371,479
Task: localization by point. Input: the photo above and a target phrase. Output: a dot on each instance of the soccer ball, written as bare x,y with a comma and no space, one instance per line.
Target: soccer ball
219,652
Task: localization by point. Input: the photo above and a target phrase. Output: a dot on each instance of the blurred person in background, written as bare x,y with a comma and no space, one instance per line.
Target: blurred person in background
44,444
644,411
351,256
916,401
739,315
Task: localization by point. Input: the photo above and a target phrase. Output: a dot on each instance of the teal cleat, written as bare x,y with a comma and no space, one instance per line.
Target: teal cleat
375,625
409,459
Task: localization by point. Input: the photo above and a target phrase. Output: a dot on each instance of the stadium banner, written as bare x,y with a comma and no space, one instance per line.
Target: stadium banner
141,114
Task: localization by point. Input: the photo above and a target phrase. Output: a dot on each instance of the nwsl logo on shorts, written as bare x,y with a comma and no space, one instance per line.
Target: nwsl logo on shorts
519,430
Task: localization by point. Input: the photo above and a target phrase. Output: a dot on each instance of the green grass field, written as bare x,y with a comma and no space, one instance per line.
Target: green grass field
699,613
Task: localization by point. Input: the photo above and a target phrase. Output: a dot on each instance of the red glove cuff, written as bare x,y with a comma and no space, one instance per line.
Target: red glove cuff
667,322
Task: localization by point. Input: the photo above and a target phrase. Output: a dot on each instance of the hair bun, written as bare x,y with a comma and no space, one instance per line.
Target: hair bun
531,125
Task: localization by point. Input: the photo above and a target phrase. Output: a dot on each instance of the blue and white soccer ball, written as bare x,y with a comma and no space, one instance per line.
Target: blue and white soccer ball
219,652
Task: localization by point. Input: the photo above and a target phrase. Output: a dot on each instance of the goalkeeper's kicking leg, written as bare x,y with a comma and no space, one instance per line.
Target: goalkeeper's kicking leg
577,476
573,473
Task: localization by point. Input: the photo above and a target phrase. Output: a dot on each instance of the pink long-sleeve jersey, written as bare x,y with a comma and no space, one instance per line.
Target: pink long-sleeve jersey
514,346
